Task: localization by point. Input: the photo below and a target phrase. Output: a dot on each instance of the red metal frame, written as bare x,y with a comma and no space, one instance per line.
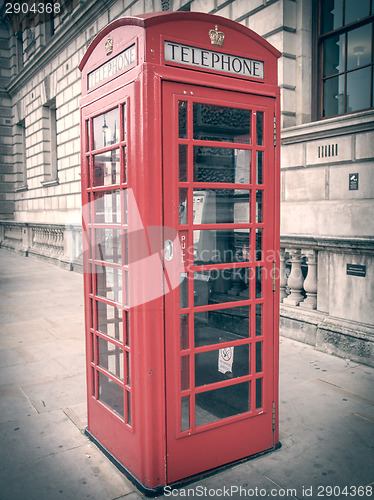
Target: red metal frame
151,446
257,423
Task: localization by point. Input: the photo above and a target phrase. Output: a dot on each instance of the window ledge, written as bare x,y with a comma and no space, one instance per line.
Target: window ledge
328,127
52,182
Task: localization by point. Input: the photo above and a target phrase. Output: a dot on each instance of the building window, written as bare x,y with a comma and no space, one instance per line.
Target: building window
50,143
20,159
345,55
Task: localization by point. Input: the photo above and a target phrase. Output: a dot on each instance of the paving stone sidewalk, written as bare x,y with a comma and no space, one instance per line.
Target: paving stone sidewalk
326,409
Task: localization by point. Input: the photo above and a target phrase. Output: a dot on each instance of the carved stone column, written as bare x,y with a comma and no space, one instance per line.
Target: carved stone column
295,279
282,277
310,283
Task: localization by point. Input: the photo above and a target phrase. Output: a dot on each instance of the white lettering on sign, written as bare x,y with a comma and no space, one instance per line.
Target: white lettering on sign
112,67
202,58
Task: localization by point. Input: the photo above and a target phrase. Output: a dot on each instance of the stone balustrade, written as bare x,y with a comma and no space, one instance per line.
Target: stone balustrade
57,243
298,277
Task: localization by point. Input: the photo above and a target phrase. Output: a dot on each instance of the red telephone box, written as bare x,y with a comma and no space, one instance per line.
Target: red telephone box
180,189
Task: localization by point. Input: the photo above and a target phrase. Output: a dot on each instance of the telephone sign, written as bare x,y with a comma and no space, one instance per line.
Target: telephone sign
180,192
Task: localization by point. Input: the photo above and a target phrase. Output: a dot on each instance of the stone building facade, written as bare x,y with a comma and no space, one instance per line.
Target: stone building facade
327,120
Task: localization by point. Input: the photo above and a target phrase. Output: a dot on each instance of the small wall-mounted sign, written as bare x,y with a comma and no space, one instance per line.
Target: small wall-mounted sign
356,270
353,182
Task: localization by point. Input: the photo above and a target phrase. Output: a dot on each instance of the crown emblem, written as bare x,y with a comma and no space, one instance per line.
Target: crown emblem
217,37
109,46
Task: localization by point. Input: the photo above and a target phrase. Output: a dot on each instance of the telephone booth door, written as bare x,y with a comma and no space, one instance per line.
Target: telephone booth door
180,192
220,351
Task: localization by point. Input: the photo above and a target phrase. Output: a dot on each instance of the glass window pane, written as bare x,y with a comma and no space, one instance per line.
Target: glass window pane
182,119
185,413
260,128
128,399
215,206
258,357
355,10
334,55
109,283
331,15
108,245
107,207
106,168
221,325
184,335
128,372
106,129
220,123
183,290
183,163
258,253
258,282
358,89
221,246
124,157
220,285
259,200
221,364
110,357
185,373
222,165
183,193
124,114
333,96
222,403
359,47
258,320
258,393
259,167
109,320
111,394
88,136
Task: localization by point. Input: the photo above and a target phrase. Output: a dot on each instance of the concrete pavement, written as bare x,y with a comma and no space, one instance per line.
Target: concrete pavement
326,409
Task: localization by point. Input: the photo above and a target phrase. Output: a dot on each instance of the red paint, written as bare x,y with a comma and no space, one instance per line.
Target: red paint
138,159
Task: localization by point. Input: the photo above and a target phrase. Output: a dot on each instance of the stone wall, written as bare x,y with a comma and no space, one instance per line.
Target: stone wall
6,150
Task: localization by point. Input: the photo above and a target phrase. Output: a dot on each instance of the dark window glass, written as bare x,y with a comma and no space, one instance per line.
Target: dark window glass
225,165
331,15
216,206
356,10
111,394
220,123
222,403
221,325
345,46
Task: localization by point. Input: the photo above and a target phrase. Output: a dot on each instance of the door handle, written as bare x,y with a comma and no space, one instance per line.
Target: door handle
168,250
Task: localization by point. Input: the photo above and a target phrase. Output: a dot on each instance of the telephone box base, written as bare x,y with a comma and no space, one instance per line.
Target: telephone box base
158,490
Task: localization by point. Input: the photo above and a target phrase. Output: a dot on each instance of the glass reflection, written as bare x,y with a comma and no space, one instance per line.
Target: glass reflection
109,320
222,403
359,47
221,123
106,129
106,168
224,165
220,246
111,394
220,286
109,283
107,207
209,368
182,119
221,325
108,245
110,357
215,206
